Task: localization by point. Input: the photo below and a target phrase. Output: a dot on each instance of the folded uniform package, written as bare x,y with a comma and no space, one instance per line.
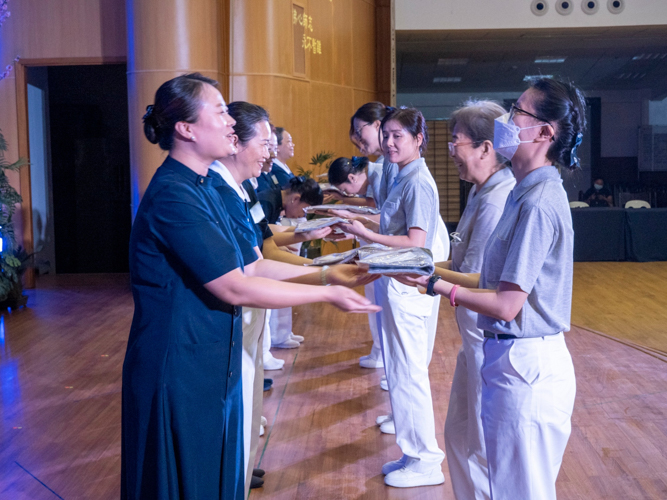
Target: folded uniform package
313,224
335,258
360,210
413,260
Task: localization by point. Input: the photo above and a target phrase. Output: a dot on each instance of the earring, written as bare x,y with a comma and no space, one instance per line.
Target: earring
192,138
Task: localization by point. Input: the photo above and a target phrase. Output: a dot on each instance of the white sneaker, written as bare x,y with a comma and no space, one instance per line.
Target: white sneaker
261,430
271,363
383,418
406,478
370,362
394,465
298,338
388,427
383,383
288,344
262,420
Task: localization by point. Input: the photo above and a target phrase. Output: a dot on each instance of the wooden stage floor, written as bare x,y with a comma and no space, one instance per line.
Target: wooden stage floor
60,367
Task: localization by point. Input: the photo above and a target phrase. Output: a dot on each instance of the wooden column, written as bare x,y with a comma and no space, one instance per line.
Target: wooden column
166,38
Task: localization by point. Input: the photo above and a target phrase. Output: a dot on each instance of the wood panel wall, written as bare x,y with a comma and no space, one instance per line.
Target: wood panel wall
314,107
443,169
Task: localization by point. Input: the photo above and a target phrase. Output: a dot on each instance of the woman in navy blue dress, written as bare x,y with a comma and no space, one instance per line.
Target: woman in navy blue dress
182,407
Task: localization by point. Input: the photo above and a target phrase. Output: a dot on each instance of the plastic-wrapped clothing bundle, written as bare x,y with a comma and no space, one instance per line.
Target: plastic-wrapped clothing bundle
413,260
335,258
361,210
313,224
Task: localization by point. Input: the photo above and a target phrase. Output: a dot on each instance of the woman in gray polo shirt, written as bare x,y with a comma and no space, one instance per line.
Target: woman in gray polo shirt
524,294
410,217
473,154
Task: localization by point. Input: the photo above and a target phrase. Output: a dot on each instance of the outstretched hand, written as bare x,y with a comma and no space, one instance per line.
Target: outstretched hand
412,280
349,275
350,301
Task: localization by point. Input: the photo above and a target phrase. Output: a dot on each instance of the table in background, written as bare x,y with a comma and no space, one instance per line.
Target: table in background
599,234
646,234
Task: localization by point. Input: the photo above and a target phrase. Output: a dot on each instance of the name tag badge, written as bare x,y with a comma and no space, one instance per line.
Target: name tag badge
257,213
275,180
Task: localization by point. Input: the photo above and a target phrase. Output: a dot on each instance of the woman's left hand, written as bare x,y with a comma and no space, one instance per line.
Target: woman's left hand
355,227
315,234
412,280
349,275
330,196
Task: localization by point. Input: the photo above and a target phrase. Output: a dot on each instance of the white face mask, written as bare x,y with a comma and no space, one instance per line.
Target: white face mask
598,186
506,136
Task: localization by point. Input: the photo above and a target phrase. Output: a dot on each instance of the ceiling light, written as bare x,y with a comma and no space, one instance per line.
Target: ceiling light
447,79
550,59
529,78
452,62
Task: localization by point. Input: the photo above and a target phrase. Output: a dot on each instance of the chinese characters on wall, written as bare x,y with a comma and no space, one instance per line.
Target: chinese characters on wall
308,43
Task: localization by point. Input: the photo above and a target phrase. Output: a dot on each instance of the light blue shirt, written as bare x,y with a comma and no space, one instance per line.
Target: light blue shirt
412,201
478,221
532,247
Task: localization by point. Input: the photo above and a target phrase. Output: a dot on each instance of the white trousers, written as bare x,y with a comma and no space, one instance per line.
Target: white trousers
407,344
266,343
464,435
252,378
280,324
527,400
376,350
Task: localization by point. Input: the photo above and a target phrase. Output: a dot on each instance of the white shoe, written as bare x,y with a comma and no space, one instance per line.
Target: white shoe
370,362
298,338
271,363
262,420
261,430
394,465
288,344
383,418
406,478
388,427
383,383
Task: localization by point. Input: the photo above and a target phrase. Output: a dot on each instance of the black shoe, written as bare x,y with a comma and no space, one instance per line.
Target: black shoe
258,472
268,383
256,482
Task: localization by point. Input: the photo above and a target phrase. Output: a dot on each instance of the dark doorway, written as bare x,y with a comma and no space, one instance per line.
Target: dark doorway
90,167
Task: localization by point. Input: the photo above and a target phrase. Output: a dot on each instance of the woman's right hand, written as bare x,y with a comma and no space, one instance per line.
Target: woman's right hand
348,300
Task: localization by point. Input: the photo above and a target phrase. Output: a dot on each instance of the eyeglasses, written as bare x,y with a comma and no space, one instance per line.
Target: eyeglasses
452,146
514,109
357,131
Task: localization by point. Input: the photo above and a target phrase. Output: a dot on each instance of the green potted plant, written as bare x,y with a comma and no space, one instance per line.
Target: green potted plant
313,248
13,259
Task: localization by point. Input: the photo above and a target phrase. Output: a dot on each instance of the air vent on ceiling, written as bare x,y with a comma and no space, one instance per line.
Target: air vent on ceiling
590,7
452,62
447,79
550,59
615,6
564,7
530,78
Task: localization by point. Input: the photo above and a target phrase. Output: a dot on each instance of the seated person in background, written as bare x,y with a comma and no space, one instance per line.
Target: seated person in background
284,153
599,195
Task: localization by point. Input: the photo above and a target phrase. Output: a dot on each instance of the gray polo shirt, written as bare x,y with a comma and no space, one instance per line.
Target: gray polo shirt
478,221
389,172
532,247
412,201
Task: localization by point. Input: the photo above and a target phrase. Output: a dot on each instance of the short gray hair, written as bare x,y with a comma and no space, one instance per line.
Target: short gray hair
475,119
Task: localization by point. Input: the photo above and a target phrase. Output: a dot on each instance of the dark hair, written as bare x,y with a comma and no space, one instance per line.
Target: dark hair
246,116
177,100
309,190
370,112
279,135
476,120
341,168
562,105
412,120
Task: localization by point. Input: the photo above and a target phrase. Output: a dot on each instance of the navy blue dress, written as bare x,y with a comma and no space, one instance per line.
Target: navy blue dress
267,180
262,227
282,176
182,401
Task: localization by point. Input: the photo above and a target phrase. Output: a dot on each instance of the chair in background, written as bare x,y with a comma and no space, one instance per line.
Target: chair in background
637,204
578,204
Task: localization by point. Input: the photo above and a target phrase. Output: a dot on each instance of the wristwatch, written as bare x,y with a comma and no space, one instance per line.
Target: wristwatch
431,284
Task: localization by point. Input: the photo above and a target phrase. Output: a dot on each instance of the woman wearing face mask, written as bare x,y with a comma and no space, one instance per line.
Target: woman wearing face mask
409,218
477,162
523,296
284,152
182,412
